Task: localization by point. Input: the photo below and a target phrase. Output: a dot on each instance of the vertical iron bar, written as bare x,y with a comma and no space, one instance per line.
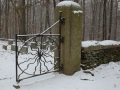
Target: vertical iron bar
16,57
41,48
59,39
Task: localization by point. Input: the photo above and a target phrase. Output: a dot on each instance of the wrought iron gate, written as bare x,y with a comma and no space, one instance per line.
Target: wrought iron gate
39,54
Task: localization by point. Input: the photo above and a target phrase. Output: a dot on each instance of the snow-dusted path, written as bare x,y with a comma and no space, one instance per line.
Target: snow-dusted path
106,77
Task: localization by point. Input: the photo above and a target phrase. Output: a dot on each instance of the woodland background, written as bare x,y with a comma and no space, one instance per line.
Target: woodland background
101,18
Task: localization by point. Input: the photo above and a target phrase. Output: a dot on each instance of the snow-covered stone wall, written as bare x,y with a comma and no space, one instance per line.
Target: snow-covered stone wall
94,56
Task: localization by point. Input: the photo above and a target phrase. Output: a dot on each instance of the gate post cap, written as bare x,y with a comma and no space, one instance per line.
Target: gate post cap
68,4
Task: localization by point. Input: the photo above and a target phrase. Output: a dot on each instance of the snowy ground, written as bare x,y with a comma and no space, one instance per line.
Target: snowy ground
106,77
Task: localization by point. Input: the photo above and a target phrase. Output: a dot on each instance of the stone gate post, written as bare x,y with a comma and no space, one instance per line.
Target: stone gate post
72,32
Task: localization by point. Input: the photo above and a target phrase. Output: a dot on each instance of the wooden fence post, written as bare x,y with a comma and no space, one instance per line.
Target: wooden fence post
72,33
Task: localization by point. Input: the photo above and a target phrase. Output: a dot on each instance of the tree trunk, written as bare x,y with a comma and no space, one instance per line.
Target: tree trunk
99,21
61,0
22,21
110,22
41,23
47,21
76,1
27,18
6,18
93,20
54,3
115,30
104,19
33,20
83,20
0,17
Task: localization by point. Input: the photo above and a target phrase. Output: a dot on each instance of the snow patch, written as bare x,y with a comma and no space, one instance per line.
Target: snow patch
79,11
96,43
68,3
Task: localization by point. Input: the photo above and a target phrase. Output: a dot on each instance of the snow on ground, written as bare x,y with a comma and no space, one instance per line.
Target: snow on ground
106,77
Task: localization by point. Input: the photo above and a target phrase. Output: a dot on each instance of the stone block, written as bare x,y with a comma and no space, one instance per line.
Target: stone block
5,47
33,45
10,41
85,61
24,49
13,47
52,47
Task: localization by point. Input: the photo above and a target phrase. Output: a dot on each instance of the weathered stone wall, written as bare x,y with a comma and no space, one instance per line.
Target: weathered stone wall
95,55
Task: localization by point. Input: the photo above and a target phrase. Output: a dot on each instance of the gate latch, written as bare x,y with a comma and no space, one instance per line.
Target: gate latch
61,39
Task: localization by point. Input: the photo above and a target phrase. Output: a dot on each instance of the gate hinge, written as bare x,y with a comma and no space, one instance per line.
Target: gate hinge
61,39
62,20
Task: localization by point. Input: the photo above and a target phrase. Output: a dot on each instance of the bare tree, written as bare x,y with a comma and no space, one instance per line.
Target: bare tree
22,20
104,19
110,22
61,0
115,25
6,17
0,16
47,22
83,19
54,3
76,1
93,20
99,19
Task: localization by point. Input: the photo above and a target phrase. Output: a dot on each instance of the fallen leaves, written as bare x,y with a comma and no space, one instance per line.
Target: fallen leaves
16,86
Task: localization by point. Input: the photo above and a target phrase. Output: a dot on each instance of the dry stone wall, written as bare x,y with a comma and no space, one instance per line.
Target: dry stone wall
96,55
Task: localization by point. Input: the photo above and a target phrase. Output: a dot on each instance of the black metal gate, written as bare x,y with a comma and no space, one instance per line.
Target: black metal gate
39,54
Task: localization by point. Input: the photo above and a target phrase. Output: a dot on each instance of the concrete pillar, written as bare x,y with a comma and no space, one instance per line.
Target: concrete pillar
72,33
